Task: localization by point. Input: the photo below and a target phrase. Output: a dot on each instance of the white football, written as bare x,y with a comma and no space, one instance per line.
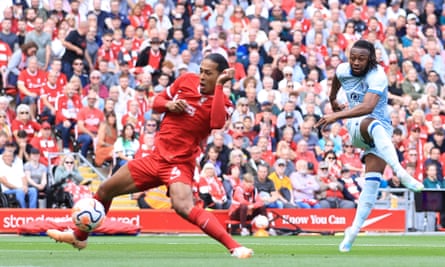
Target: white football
88,214
261,222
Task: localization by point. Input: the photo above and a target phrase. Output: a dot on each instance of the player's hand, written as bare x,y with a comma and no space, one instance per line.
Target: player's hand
336,106
225,76
326,120
177,106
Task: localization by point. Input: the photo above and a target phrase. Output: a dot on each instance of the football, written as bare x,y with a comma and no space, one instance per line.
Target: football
88,214
261,222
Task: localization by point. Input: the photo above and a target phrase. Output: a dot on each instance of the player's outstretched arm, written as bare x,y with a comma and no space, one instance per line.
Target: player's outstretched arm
336,85
218,114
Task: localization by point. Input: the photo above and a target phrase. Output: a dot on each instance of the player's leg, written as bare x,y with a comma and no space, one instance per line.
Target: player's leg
120,183
368,196
182,202
373,132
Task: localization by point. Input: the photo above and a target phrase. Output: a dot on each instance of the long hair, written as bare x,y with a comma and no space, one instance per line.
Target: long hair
372,62
219,60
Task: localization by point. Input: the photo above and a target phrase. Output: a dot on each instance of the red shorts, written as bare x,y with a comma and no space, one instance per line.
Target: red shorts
152,171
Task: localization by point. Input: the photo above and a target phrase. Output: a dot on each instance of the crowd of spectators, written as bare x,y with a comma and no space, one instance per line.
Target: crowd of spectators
80,75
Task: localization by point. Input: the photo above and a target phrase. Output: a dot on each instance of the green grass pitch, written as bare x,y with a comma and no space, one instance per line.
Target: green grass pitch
195,251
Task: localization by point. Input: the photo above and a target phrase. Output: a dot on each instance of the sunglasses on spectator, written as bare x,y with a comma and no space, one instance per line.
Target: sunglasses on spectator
151,125
69,162
23,112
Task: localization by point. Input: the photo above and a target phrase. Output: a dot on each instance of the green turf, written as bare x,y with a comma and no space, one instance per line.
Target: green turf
194,251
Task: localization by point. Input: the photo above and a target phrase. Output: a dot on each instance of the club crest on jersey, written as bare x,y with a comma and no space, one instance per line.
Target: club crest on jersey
202,100
190,110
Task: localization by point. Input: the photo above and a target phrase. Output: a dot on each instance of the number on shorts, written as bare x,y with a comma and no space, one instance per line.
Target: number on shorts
175,173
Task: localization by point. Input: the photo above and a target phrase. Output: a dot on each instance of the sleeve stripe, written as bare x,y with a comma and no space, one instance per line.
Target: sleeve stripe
375,92
168,92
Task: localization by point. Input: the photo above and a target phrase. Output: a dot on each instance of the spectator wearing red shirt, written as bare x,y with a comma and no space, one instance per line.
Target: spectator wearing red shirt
350,159
67,108
88,122
56,65
152,56
106,52
46,144
9,23
299,21
137,17
4,106
140,96
133,117
357,4
147,146
412,160
29,83
305,154
128,54
246,203
5,54
49,93
24,122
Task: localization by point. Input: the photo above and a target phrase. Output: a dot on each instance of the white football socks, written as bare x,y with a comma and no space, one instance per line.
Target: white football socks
384,145
366,202
387,152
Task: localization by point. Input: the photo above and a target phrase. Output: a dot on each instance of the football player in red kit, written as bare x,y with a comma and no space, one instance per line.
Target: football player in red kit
193,106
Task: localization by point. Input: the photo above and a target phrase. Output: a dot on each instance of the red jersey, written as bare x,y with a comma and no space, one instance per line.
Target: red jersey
144,104
51,92
30,127
32,81
241,196
138,21
45,146
116,46
91,117
137,121
181,134
67,109
143,151
305,24
308,156
147,10
106,54
353,161
214,187
155,59
130,56
62,80
29,27
5,54
329,191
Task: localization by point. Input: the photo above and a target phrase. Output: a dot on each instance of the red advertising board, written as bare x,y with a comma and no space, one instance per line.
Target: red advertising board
155,221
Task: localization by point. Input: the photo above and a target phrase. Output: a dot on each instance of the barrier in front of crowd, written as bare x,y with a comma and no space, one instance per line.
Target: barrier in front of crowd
167,221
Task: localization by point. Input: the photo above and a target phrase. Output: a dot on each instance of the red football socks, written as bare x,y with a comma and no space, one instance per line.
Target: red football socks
212,227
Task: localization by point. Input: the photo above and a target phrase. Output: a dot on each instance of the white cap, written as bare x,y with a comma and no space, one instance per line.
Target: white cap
232,45
183,66
411,16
